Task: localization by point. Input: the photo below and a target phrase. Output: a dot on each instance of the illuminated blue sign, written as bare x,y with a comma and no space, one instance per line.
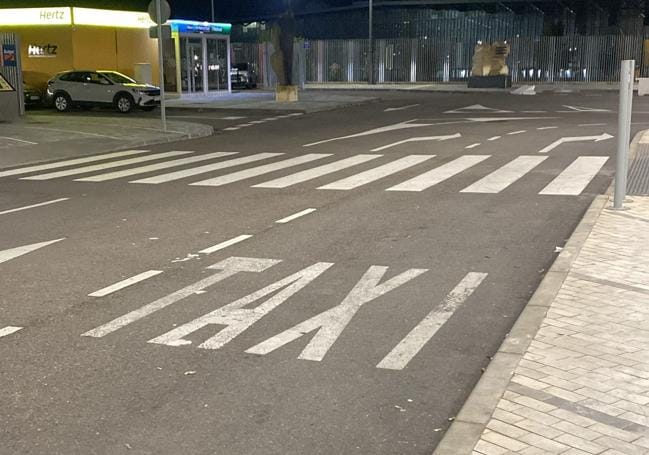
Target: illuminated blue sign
182,26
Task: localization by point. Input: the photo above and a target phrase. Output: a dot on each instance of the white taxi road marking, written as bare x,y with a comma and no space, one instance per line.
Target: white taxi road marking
153,167
177,175
101,167
506,175
260,170
58,164
225,244
316,172
439,174
408,348
13,253
295,216
228,268
332,322
41,204
236,317
576,177
125,283
8,330
377,173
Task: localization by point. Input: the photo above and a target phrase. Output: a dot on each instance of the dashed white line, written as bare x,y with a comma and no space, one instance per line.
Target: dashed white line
9,330
514,133
232,128
593,124
472,146
495,138
27,207
295,216
244,125
547,128
125,283
225,244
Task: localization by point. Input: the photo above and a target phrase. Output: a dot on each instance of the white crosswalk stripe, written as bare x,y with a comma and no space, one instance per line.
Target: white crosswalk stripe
505,176
59,164
439,174
153,167
163,178
377,173
316,172
260,170
576,177
100,167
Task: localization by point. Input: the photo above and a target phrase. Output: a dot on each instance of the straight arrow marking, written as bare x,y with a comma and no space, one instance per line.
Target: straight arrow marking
13,253
555,144
418,139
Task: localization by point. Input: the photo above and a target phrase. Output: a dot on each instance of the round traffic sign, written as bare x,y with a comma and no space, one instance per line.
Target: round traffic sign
165,11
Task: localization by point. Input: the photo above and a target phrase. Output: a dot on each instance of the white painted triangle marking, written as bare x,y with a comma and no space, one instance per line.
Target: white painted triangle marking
13,253
477,107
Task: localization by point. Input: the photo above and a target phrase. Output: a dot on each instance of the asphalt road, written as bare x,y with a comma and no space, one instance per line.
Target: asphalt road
358,327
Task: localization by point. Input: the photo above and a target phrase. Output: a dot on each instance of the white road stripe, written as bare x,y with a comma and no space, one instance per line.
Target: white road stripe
316,172
593,124
260,170
472,146
547,128
295,216
171,176
19,140
101,167
125,283
514,133
13,253
227,268
225,244
505,176
58,164
377,173
408,348
153,167
495,138
439,174
576,177
27,207
232,128
9,330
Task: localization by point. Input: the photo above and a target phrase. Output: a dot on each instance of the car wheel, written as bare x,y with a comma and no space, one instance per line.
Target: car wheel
148,108
124,103
62,102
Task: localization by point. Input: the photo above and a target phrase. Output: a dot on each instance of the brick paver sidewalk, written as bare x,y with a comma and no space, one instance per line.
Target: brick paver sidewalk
582,386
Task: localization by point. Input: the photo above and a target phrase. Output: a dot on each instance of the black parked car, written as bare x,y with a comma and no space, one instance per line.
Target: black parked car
32,96
243,75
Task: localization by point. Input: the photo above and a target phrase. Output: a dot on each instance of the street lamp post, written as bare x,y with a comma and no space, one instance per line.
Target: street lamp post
371,39
212,10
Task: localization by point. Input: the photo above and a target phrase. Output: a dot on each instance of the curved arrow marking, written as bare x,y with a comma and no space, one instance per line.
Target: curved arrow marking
557,143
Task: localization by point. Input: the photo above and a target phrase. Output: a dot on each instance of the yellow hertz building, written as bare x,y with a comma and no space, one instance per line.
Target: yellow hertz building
196,58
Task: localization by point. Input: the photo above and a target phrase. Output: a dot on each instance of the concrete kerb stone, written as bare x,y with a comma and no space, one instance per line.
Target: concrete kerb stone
465,431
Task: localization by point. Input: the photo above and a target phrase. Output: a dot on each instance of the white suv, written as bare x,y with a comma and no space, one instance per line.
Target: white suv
100,88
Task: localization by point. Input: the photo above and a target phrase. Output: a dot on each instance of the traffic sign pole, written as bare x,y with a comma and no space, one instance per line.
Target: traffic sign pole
163,112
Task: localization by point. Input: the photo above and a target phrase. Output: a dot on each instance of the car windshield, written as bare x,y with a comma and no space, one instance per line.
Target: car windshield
117,78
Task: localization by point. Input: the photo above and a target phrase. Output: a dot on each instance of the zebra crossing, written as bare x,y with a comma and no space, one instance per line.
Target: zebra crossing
571,181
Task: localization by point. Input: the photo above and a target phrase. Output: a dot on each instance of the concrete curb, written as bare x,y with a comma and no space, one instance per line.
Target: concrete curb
289,108
465,431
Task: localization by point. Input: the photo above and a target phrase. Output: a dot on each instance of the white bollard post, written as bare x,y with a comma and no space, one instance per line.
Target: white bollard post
623,132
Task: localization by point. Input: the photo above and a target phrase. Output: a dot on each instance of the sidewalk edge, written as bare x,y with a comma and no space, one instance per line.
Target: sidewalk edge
466,429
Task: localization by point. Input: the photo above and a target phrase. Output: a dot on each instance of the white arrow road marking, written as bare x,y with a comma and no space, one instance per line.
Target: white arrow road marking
9,330
478,108
18,140
402,108
58,164
555,144
331,323
505,119
383,129
101,167
225,244
125,283
228,268
319,171
41,204
295,216
418,139
236,317
408,348
584,109
506,175
439,174
576,177
13,253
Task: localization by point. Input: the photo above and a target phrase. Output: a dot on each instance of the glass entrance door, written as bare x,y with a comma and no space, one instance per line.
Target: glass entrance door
191,52
217,65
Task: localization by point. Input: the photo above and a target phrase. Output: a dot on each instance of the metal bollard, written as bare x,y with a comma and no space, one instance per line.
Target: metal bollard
623,132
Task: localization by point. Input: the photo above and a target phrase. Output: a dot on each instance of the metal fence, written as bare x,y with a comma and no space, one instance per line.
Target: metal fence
573,58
